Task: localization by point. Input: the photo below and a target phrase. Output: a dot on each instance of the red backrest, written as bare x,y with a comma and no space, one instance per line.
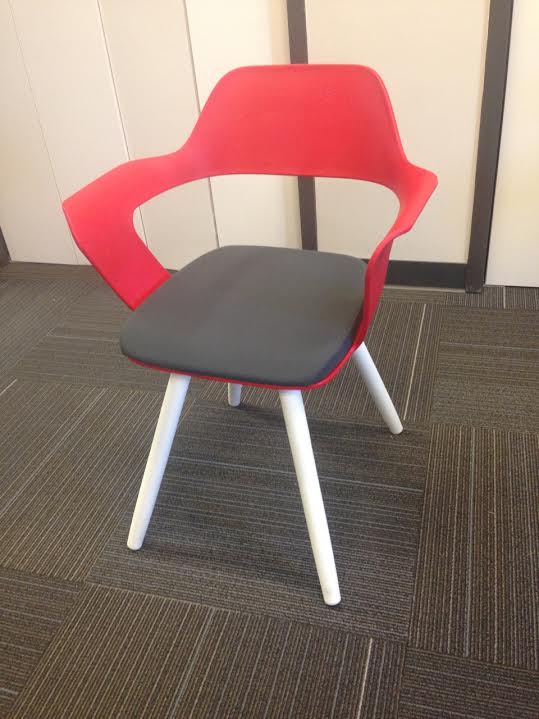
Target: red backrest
318,120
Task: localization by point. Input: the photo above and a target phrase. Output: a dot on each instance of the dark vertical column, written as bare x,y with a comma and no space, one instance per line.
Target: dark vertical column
490,131
4,253
297,38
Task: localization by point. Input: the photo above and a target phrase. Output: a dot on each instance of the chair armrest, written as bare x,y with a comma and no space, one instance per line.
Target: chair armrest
100,217
413,194
414,189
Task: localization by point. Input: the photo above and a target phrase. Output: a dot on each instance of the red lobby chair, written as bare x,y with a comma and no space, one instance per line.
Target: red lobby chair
280,318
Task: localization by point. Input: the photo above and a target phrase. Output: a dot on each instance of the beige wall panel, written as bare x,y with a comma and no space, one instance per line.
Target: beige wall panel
430,54
514,242
224,35
148,44
30,215
65,54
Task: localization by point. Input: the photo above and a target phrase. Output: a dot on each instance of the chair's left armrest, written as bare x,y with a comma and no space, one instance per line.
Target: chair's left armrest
100,217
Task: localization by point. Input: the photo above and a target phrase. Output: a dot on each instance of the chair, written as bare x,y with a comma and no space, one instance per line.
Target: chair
272,317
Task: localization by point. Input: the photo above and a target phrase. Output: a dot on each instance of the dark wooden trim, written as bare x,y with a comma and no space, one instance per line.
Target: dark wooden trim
4,252
426,274
297,31
490,132
307,213
297,40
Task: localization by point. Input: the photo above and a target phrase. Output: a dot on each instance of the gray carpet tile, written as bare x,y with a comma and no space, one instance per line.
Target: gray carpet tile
490,328
57,516
403,342
228,529
94,362
522,298
99,314
254,437
5,383
35,418
492,297
41,271
83,348
193,661
488,369
28,310
32,610
220,613
441,687
423,295
478,566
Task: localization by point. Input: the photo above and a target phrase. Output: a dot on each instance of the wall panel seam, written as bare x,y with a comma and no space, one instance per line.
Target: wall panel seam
197,97
118,108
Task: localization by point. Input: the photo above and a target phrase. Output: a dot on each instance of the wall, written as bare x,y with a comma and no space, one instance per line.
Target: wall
514,241
87,84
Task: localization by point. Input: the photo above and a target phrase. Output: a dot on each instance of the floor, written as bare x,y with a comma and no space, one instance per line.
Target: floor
436,531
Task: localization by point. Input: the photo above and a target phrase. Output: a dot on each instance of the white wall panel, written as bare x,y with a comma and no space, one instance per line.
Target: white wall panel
30,214
514,243
64,50
431,56
148,45
224,35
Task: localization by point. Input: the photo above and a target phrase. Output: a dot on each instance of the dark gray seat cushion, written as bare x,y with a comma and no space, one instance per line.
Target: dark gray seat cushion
255,314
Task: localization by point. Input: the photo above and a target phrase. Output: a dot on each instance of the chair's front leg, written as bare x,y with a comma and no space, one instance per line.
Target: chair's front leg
234,394
311,496
377,389
167,423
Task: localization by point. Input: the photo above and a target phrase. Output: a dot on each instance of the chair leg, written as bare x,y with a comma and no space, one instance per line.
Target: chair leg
157,459
377,388
311,496
234,394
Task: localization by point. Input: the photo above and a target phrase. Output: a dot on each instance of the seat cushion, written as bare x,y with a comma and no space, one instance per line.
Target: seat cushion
264,315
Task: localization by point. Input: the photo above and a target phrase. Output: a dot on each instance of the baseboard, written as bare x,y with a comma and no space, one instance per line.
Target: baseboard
426,274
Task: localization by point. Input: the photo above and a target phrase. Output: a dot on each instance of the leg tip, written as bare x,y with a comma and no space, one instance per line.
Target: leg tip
332,598
133,545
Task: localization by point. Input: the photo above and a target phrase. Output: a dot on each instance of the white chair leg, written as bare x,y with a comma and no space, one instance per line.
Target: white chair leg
377,388
311,496
157,459
234,394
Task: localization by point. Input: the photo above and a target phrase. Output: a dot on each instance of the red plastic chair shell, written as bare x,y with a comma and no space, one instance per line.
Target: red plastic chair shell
310,120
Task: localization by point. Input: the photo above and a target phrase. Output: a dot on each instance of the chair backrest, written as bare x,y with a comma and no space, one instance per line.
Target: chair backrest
314,120
317,120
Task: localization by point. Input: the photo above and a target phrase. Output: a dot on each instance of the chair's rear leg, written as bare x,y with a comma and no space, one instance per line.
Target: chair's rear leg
377,388
234,394
157,459
311,496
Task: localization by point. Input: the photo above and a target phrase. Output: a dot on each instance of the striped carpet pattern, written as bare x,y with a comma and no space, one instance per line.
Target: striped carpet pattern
36,307
487,369
436,685
478,566
229,524
198,661
32,610
435,532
